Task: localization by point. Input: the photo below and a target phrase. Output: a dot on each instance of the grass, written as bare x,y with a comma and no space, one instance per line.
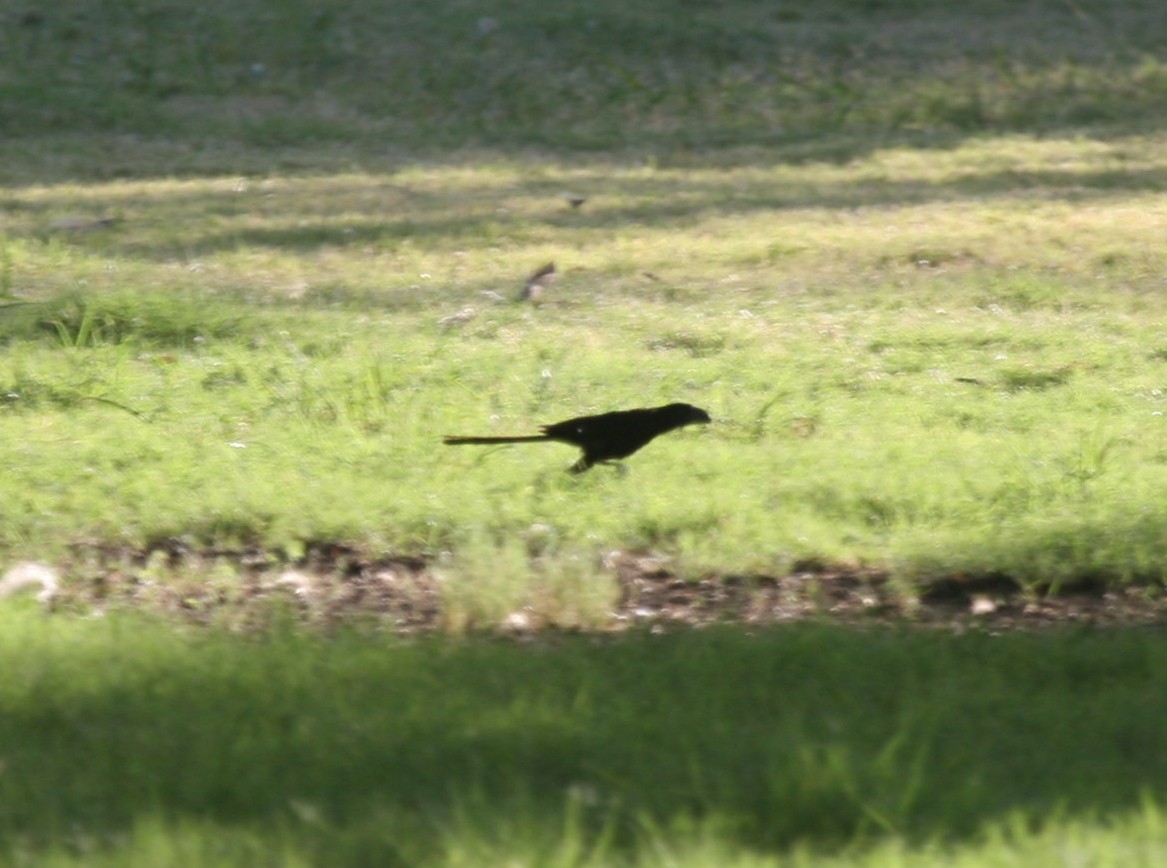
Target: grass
207,747
577,75
927,382
255,259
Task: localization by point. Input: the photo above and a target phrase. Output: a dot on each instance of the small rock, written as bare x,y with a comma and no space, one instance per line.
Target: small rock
29,574
518,621
300,583
982,605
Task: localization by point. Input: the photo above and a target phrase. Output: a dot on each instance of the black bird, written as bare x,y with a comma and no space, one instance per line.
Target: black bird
608,436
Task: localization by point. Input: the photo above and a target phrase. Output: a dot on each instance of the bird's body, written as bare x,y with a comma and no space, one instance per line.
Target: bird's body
608,436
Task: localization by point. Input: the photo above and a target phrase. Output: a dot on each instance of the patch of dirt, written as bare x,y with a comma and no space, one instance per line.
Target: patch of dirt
335,584
855,595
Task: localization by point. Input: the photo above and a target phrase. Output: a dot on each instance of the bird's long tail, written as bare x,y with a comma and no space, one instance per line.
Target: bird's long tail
483,441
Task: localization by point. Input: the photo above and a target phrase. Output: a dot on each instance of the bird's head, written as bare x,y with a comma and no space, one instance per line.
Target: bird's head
686,414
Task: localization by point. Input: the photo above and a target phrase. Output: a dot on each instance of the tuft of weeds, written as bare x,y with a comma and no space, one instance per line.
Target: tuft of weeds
496,585
145,319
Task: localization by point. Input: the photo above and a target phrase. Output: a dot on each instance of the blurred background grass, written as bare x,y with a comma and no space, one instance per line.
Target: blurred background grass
644,74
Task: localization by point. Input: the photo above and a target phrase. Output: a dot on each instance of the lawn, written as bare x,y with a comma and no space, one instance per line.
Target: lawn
258,258
131,742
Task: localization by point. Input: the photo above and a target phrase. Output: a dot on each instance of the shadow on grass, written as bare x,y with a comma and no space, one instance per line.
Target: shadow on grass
601,76
811,735
340,213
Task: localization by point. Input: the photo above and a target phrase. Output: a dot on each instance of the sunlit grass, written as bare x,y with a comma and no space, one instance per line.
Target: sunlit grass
996,204
906,358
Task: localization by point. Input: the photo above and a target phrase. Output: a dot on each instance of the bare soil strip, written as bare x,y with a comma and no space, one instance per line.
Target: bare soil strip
335,584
